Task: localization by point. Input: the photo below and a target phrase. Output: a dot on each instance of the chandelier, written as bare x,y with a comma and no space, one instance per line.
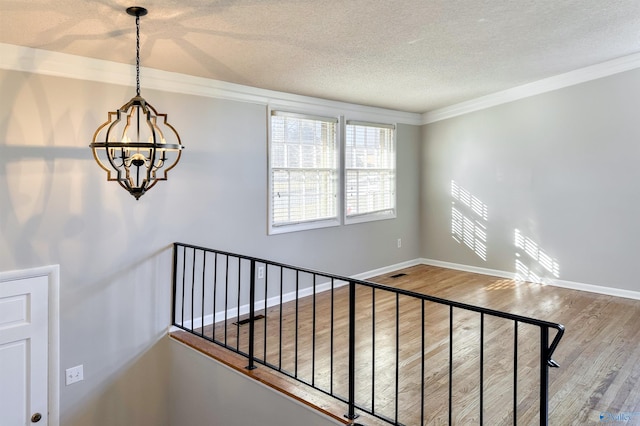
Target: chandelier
136,146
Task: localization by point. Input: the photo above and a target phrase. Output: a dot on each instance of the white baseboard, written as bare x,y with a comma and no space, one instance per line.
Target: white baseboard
326,286
387,269
468,268
289,296
609,291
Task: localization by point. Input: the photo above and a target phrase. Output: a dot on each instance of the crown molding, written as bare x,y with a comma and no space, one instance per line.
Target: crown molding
45,62
560,81
38,61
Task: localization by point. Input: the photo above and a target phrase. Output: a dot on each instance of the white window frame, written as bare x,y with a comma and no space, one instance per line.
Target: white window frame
310,224
389,213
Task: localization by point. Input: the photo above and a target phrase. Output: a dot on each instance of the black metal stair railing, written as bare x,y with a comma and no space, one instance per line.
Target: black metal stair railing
403,357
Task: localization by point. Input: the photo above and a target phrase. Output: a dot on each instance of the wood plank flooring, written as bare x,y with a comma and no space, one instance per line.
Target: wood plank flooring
599,356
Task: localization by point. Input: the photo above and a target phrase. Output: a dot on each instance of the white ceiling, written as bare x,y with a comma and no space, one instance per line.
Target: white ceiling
407,55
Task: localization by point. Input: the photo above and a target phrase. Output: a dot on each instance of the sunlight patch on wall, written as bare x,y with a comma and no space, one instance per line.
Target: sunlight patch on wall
469,218
533,263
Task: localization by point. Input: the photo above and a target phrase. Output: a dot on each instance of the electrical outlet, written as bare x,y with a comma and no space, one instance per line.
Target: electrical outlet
74,374
260,272
399,242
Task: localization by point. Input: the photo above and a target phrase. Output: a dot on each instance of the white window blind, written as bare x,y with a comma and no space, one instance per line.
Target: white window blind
303,168
370,170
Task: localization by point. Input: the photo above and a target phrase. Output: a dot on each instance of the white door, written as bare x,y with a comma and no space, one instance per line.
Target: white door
24,351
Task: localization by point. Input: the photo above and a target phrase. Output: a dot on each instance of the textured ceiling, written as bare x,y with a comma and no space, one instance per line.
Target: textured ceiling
409,55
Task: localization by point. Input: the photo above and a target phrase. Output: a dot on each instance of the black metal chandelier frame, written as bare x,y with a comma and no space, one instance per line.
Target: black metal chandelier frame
131,145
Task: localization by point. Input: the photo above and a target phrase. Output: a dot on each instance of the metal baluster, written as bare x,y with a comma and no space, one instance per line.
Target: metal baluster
373,350
184,271
238,304
481,368
226,298
266,294
313,335
397,354
215,289
295,360
252,301
280,331
544,375
331,343
352,351
204,268
193,287
450,362
515,373
422,327
174,283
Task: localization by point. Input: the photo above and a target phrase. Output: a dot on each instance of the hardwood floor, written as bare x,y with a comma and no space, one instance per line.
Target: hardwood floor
599,355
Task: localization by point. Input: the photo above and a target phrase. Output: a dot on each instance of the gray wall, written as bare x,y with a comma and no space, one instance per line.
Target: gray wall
204,392
561,167
114,252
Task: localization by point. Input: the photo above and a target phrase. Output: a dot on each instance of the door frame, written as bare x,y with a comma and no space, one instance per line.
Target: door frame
52,272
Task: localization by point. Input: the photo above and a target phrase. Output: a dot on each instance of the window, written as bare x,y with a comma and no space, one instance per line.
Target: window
370,172
303,172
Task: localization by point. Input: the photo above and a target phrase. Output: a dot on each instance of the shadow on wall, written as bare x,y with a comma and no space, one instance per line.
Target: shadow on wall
469,219
469,223
44,194
533,263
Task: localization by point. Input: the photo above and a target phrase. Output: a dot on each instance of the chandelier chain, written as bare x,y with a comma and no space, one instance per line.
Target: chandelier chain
138,55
